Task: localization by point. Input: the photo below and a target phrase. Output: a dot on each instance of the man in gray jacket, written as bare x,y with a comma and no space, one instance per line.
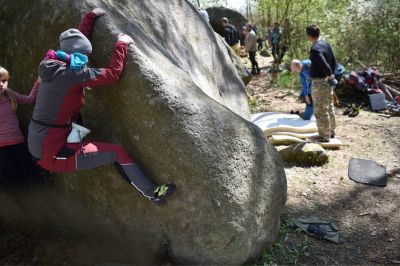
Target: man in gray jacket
250,46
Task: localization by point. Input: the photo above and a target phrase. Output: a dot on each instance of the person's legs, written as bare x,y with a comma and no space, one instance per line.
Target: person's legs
26,168
93,154
308,112
254,63
320,95
302,93
282,53
332,118
3,163
96,154
252,56
275,51
278,53
9,167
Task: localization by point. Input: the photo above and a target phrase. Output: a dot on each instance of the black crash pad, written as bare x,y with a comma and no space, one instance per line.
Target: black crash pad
367,172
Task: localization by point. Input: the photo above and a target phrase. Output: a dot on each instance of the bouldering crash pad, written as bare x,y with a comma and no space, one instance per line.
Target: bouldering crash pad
367,172
287,140
278,122
296,135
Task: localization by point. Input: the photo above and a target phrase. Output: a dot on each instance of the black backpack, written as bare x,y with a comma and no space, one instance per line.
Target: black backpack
233,35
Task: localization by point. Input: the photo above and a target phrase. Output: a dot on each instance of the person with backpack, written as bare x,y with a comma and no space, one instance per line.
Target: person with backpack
16,165
276,38
64,75
231,36
303,69
323,64
251,48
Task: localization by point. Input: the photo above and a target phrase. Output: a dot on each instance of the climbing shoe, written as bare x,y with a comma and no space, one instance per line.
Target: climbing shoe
161,193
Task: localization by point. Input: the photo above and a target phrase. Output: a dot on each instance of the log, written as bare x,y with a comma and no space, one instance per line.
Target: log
391,90
387,93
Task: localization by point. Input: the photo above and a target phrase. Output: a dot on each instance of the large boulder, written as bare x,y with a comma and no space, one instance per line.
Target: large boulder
234,17
241,68
180,108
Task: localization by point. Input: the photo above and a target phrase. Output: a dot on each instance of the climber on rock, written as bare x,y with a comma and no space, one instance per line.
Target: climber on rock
64,75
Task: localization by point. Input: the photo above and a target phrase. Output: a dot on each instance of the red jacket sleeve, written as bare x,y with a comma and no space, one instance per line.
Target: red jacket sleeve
87,23
105,76
28,99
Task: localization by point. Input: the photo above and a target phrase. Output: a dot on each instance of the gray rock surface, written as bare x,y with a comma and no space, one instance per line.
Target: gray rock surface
180,108
234,17
305,154
241,68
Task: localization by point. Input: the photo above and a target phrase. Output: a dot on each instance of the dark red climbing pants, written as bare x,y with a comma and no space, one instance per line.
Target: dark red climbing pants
88,155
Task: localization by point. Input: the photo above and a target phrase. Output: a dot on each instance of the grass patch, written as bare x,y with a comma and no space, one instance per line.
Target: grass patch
286,251
254,104
288,80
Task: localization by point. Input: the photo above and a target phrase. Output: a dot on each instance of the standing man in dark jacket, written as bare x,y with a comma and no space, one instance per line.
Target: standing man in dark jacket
323,65
231,36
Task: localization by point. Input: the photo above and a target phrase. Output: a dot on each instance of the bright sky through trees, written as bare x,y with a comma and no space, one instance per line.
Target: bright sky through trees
236,4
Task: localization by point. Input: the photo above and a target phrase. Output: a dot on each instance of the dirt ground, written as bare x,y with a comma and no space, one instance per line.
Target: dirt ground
368,217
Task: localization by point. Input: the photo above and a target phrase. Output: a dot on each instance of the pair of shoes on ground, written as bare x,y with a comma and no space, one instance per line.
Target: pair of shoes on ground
295,113
352,111
162,192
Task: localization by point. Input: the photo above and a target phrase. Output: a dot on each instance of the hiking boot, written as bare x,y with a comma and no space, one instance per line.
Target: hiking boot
162,193
253,72
258,71
333,135
347,111
354,112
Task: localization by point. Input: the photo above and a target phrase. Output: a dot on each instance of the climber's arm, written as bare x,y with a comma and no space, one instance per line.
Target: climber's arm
105,76
87,22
